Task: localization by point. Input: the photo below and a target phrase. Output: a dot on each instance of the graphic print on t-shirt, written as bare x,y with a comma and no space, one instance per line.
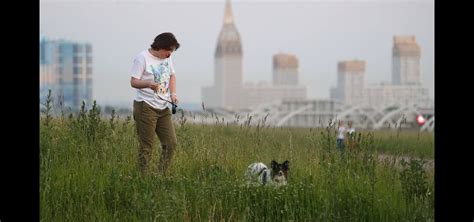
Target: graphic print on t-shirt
161,75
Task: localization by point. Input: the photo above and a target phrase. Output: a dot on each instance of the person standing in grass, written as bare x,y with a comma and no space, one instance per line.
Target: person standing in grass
351,135
340,136
153,77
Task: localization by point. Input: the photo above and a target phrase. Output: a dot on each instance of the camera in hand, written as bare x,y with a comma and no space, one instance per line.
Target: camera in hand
173,105
173,108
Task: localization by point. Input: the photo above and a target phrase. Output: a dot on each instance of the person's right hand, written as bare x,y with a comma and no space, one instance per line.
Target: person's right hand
155,86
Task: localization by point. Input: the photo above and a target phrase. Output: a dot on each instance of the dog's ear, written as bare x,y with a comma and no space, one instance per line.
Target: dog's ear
274,164
286,165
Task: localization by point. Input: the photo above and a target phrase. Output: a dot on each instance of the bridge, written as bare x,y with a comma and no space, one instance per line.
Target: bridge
320,113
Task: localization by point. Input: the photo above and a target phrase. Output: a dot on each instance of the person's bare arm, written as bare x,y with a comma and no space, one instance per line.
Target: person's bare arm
140,84
174,98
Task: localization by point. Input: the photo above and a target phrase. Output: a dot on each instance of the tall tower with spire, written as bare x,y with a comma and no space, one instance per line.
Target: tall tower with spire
229,92
228,76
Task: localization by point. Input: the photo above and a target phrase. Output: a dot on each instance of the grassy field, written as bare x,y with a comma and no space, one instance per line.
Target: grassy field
89,172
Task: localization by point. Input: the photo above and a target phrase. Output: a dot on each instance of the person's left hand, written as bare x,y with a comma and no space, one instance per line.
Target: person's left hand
174,99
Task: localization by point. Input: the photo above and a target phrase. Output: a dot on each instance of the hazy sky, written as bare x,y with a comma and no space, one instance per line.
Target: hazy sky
320,33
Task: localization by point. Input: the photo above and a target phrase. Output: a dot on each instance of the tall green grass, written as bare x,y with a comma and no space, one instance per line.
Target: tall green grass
89,172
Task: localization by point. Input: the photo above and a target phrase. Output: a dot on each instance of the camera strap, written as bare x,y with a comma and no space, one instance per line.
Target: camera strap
166,100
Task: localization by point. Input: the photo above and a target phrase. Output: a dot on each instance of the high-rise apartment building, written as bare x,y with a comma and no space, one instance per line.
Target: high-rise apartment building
406,61
285,69
66,69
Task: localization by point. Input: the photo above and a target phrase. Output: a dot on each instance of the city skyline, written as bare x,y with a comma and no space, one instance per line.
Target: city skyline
317,60
229,92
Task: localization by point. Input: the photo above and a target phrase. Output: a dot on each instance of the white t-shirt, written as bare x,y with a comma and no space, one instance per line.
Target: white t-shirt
342,130
351,131
148,67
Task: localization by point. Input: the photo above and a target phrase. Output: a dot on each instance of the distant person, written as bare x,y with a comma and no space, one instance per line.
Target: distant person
340,136
351,135
153,75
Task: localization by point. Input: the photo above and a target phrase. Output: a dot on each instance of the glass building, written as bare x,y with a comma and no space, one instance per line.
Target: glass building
66,70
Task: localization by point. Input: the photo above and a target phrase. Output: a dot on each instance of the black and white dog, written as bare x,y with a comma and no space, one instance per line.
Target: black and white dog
259,174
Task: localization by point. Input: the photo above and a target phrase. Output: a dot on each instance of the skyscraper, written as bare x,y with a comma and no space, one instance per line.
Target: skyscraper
350,82
405,89
405,61
285,69
229,92
66,69
228,66
48,66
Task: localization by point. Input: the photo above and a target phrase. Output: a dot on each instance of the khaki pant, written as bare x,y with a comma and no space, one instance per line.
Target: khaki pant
149,121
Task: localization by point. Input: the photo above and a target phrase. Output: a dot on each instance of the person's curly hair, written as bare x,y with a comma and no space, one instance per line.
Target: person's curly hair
165,41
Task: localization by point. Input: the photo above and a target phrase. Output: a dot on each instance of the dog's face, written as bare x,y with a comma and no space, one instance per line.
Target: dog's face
280,172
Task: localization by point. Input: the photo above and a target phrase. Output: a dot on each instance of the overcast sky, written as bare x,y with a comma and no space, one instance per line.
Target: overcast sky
320,33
